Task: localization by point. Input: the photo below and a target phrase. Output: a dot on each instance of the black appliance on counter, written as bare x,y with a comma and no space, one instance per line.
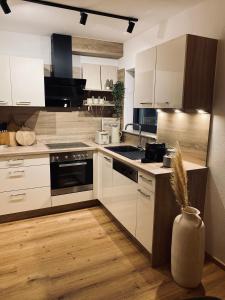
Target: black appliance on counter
154,152
71,172
61,89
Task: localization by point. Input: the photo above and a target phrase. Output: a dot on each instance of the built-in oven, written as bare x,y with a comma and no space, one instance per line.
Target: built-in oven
71,172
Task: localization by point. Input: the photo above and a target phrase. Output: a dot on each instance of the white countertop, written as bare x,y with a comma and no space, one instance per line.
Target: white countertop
40,149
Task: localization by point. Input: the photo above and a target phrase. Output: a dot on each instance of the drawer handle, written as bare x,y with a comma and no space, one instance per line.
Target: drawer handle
145,179
3,102
146,103
143,194
15,162
23,102
108,159
17,197
16,173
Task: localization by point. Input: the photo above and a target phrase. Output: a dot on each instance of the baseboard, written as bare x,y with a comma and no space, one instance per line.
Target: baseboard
48,211
218,262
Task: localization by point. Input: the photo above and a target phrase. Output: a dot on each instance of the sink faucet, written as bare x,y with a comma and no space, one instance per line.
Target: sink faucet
139,128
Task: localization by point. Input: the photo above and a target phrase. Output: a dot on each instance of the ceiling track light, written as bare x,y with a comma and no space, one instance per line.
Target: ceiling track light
5,7
130,27
84,12
83,18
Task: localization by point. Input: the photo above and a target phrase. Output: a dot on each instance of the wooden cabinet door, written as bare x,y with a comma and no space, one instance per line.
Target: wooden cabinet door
27,78
91,73
5,82
108,73
123,204
145,218
145,78
170,70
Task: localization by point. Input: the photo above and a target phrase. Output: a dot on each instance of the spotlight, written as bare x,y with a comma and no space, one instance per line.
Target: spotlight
130,27
158,110
201,111
177,111
5,6
83,18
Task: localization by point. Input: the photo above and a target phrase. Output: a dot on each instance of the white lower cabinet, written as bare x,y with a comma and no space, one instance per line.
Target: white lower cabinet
123,204
25,184
105,180
24,200
145,217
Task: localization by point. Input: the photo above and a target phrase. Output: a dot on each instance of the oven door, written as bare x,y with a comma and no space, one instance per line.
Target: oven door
71,176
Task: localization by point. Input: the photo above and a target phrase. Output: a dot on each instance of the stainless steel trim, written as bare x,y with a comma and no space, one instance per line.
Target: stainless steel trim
143,194
74,189
72,164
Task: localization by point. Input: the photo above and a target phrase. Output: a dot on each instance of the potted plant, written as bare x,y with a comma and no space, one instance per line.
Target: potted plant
118,96
188,237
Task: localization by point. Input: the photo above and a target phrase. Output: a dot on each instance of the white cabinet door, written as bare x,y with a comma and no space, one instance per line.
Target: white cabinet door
108,73
145,217
170,73
27,78
145,78
5,82
24,200
123,204
91,73
106,180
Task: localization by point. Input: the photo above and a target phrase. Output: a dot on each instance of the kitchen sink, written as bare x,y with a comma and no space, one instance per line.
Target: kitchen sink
128,151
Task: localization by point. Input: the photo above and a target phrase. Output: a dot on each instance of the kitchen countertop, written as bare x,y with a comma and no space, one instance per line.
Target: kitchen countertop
39,149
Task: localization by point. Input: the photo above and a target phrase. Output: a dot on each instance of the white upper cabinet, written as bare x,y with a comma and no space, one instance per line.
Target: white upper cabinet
108,73
170,73
27,79
5,82
91,73
145,78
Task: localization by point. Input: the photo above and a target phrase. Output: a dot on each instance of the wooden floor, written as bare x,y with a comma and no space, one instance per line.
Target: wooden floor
83,255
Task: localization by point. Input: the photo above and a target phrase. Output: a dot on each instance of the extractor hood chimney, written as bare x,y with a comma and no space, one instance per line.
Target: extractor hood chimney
62,56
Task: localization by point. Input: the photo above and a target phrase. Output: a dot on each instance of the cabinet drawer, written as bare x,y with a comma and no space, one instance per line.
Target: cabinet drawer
147,181
24,200
24,161
24,178
145,217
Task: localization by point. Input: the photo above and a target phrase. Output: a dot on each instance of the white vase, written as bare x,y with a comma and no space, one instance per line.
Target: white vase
188,248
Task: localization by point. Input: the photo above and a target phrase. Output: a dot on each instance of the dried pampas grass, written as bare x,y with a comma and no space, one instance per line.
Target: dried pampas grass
178,179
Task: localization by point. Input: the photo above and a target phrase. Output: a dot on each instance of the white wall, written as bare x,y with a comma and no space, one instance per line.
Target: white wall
206,19
37,46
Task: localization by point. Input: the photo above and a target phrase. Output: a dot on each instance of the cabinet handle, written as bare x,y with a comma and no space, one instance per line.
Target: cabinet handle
15,162
3,102
23,102
16,173
108,159
145,179
72,164
17,197
145,102
143,194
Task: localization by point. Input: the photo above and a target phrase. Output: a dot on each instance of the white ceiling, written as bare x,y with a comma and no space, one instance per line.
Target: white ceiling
39,19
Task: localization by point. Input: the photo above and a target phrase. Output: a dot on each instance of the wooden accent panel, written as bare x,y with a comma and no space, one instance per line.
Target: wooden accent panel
166,209
83,255
191,130
96,48
199,72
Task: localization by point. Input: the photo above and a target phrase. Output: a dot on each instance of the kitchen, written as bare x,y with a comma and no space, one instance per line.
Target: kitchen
86,183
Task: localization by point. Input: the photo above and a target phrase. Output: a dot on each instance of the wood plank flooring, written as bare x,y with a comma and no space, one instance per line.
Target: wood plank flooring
83,255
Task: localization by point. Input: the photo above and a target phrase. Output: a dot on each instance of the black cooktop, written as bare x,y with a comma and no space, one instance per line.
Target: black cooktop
66,145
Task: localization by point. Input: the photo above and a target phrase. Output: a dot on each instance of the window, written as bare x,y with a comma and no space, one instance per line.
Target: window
147,118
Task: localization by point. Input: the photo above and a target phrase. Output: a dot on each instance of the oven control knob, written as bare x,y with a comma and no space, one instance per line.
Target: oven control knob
86,155
56,157
78,156
83,156
66,157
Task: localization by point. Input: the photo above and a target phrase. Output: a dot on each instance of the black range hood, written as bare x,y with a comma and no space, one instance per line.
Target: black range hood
61,90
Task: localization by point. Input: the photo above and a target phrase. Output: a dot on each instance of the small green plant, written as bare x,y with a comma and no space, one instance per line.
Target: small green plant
118,92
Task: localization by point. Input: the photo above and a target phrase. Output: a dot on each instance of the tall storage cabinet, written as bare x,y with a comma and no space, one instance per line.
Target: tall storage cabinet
27,78
5,82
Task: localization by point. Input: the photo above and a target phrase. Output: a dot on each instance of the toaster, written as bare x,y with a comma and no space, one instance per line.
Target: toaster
102,138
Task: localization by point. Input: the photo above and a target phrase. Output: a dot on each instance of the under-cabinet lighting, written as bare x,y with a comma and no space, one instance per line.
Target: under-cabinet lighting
177,110
158,110
201,111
